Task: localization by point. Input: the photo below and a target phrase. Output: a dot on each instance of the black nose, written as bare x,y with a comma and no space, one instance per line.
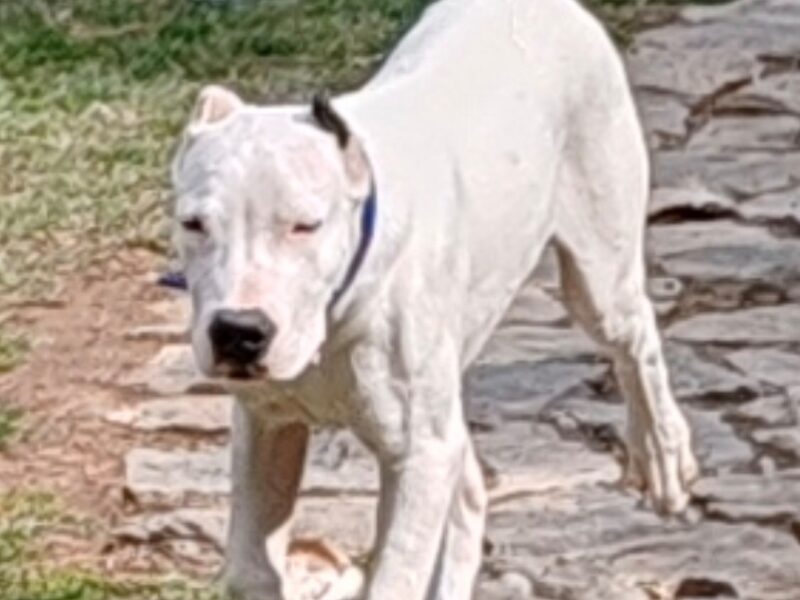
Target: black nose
240,338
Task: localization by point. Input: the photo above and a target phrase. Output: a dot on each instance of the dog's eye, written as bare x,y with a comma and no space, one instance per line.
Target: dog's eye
306,228
194,225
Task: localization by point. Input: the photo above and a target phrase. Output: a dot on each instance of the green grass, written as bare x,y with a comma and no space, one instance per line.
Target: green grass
26,518
93,94
12,350
9,419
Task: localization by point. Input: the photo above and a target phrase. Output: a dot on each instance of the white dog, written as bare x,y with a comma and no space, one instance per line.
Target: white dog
347,264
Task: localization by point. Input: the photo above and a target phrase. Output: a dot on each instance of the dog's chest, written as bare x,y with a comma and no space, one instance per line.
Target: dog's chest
316,398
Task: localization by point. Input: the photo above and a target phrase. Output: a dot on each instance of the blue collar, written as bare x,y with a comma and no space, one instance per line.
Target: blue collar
177,280
369,212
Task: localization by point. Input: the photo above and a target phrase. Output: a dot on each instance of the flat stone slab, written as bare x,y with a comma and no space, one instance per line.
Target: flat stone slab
723,45
195,524
534,306
739,175
607,550
776,367
602,425
770,411
731,134
775,207
664,116
693,376
777,94
690,236
515,342
193,414
318,565
151,472
782,439
529,459
349,522
740,497
715,442
762,325
337,464
519,390
695,201
714,250
172,372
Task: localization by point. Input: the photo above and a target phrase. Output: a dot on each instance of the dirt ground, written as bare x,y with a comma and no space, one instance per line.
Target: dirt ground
80,347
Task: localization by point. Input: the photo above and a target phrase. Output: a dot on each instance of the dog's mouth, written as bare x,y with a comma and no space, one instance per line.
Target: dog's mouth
242,373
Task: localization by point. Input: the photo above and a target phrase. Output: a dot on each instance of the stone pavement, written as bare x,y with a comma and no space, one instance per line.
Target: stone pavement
719,90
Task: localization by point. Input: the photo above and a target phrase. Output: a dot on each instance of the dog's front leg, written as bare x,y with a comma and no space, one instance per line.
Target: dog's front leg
417,429
415,502
461,551
266,471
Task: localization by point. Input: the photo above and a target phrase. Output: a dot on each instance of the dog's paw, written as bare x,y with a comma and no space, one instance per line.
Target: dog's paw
661,463
317,570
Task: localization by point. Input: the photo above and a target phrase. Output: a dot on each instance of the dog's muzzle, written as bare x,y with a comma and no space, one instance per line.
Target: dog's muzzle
240,339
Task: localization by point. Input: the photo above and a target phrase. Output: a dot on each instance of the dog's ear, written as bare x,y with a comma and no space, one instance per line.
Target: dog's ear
328,119
355,158
214,103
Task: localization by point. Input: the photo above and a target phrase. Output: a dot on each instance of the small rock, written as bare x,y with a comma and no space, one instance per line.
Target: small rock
697,587
664,288
509,586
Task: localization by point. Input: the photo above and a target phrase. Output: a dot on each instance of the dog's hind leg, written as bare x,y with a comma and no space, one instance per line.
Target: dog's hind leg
618,315
601,198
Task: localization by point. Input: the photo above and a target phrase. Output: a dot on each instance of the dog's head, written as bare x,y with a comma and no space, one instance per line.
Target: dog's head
266,225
